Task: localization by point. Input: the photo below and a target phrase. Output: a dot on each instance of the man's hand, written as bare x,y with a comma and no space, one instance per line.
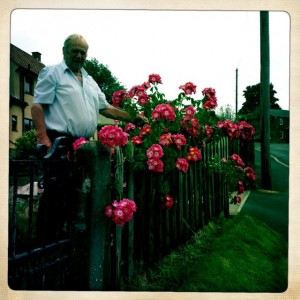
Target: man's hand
45,141
140,121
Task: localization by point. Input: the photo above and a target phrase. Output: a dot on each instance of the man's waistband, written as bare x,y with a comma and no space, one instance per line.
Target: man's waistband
53,134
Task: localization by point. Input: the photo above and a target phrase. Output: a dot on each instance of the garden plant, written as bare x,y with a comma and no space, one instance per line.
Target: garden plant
173,139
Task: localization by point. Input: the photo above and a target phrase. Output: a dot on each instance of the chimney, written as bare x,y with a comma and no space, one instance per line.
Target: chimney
37,56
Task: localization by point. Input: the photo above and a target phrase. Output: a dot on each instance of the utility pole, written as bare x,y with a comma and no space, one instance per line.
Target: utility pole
265,100
236,92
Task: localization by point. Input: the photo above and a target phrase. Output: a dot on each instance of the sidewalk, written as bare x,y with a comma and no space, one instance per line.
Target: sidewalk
270,206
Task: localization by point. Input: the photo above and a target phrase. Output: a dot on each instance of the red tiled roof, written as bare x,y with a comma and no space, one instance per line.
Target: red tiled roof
25,60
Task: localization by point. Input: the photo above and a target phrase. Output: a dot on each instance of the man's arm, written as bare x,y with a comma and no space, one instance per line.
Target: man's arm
122,115
38,118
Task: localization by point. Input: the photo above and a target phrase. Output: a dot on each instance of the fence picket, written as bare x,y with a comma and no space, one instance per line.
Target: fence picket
180,210
196,195
186,203
191,196
130,253
166,231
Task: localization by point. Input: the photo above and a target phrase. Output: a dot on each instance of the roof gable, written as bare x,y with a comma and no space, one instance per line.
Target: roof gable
25,60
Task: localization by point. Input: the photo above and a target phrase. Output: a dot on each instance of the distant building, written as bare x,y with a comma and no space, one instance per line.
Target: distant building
24,70
279,125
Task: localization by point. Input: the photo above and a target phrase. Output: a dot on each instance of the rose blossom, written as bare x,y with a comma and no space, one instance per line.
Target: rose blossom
210,93
247,131
194,154
250,173
182,164
165,139
190,111
136,140
140,90
79,142
210,104
164,111
155,164
129,126
168,202
111,136
240,186
146,85
145,130
230,128
155,151
121,212
132,91
188,88
208,131
190,125
108,211
118,97
235,157
179,140
237,199
154,78
143,99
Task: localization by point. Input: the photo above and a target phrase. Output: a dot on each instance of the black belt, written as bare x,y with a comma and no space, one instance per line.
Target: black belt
53,134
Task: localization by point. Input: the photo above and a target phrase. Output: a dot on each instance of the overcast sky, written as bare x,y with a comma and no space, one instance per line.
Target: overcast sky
204,47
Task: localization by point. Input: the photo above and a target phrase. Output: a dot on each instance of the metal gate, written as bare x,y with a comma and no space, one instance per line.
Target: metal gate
40,192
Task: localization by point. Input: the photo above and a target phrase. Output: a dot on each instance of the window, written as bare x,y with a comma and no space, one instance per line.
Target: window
280,121
14,123
281,135
28,88
28,124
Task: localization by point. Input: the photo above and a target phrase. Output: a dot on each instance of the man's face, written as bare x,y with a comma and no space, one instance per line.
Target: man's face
75,55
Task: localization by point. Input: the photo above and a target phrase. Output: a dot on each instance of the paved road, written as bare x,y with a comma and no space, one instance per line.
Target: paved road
278,152
271,206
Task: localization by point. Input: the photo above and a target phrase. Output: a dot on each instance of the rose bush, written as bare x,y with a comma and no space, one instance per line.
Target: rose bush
180,126
176,132
237,176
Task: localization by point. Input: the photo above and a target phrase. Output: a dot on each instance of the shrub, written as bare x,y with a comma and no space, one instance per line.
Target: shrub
25,146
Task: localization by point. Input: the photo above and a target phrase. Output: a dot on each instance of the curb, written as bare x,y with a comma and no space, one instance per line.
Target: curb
234,209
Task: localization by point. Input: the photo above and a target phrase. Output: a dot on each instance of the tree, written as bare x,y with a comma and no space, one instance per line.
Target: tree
104,78
252,96
226,113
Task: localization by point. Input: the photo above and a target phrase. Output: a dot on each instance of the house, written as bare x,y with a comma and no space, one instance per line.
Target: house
24,70
279,125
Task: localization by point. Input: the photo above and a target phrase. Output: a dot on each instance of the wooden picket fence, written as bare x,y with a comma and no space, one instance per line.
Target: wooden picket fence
199,196
101,255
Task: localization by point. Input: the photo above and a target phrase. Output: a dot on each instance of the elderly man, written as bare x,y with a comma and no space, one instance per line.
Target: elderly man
67,100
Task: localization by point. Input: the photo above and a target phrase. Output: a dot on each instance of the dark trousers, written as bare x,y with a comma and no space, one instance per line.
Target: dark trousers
54,207
52,134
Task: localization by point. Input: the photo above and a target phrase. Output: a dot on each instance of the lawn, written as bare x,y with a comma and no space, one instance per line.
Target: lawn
240,254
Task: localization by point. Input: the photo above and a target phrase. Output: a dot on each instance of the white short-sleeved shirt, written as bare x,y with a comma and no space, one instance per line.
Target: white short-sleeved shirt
69,107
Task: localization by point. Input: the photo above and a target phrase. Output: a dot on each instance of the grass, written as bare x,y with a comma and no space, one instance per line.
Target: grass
240,254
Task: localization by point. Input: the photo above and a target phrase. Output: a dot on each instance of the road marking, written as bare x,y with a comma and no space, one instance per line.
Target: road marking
268,191
275,158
